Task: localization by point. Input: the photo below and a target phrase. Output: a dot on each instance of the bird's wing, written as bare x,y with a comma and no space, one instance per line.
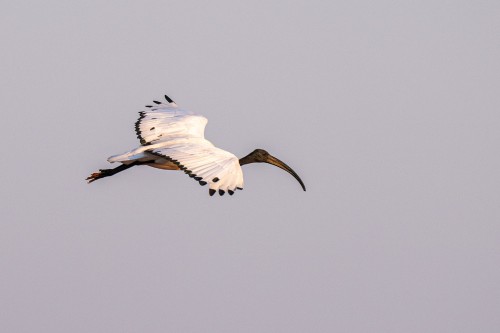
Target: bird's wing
205,163
178,136
164,121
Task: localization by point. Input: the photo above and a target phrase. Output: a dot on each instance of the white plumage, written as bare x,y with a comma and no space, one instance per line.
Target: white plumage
169,134
174,139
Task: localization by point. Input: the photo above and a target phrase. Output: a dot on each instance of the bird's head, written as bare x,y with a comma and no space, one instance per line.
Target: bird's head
259,155
262,156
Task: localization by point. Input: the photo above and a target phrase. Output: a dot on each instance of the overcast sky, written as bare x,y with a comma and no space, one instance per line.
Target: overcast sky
388,110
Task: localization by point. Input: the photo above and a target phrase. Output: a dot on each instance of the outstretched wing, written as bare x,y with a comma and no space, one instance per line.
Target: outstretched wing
166,122
205,163
177,135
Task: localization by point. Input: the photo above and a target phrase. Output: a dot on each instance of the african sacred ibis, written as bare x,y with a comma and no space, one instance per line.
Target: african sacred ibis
173,139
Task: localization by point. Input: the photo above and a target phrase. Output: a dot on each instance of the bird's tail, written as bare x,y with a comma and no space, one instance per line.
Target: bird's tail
133,155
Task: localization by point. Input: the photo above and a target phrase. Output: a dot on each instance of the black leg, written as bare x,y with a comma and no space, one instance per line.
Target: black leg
109,172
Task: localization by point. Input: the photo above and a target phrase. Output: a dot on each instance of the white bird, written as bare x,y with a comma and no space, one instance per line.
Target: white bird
173,139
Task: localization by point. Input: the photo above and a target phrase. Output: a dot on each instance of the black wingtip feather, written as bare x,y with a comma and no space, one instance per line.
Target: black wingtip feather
138,132
211,192
169,99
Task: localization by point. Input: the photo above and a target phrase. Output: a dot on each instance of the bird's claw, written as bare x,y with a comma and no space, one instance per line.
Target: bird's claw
96,175
93,177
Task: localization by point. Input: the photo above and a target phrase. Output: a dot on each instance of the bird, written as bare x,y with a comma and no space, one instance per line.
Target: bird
173,138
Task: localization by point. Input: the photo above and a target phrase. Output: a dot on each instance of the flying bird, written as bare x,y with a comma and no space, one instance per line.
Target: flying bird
173,139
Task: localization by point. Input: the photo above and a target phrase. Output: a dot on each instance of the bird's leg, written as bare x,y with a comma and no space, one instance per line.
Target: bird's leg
109,172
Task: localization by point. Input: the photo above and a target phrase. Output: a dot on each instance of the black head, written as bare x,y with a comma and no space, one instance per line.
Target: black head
262,156
259,155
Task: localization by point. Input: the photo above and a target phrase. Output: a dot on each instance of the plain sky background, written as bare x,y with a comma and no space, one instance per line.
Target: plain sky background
388,110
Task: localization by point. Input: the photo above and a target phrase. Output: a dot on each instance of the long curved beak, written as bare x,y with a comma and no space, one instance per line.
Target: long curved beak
276,162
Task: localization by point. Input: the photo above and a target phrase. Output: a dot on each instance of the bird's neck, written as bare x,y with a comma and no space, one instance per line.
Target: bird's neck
246,160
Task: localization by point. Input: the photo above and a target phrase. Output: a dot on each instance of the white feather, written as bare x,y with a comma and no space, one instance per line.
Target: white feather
178,135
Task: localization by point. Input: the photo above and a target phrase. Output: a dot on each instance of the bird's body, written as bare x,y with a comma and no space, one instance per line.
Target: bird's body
173,139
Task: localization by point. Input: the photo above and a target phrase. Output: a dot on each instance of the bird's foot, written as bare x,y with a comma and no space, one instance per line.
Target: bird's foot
98,175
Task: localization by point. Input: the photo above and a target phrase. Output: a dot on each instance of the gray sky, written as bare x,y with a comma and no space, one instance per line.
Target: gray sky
388,110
